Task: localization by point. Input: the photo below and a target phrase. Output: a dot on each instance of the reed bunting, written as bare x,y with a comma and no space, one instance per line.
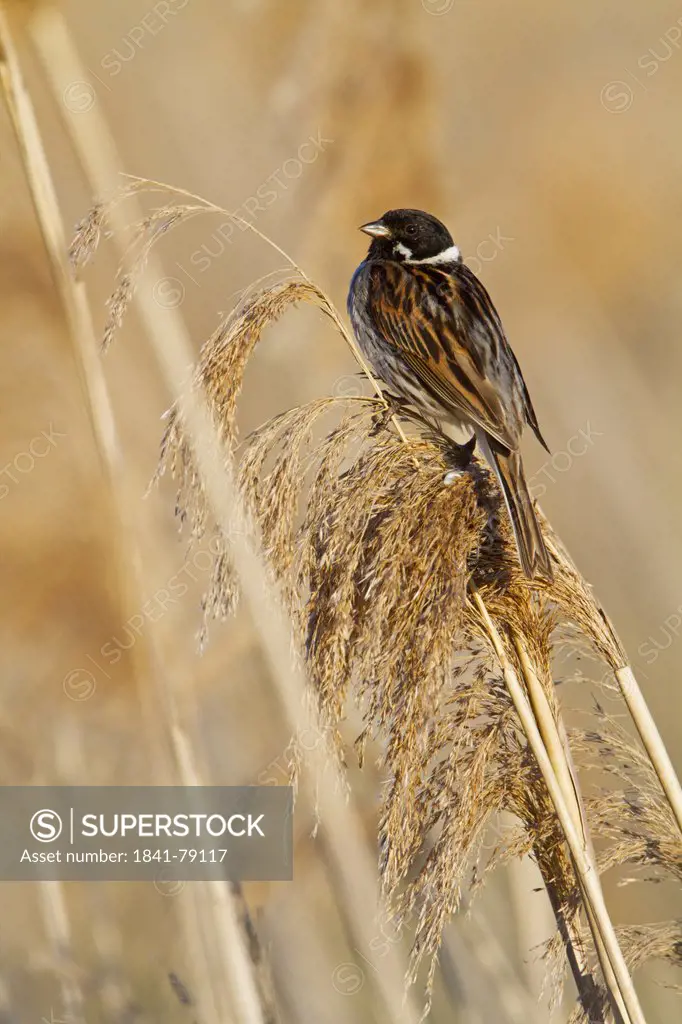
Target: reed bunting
430,331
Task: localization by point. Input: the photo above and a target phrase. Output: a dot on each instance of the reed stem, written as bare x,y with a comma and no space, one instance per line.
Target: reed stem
588,878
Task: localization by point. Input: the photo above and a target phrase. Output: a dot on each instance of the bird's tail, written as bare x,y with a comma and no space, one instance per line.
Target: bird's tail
533,553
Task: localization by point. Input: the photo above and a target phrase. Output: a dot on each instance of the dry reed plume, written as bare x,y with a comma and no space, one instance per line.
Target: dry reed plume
408,599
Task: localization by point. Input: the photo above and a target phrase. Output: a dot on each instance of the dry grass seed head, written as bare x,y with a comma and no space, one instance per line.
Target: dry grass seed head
574,597
88,232
640,944
87,236
634,817
273,497
146,233
220,374
382,560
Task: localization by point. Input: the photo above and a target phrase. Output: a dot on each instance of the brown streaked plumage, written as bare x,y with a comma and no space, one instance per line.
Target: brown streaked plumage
431,332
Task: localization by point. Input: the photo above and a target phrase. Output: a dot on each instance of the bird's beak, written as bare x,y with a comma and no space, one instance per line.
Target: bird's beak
376,229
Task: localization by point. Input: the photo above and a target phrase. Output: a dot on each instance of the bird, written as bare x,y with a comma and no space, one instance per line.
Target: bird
430,332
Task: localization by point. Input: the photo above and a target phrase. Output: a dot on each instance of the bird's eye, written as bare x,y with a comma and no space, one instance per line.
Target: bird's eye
411,230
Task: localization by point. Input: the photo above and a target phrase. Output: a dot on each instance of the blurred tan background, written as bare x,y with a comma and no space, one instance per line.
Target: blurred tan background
547,138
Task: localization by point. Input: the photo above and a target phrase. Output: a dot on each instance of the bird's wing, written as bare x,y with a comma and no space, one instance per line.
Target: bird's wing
531,418
443,323
472,293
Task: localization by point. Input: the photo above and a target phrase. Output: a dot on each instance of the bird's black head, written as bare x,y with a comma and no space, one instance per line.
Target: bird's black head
410,235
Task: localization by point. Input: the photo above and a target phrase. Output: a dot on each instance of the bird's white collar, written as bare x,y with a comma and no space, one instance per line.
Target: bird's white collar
449,255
